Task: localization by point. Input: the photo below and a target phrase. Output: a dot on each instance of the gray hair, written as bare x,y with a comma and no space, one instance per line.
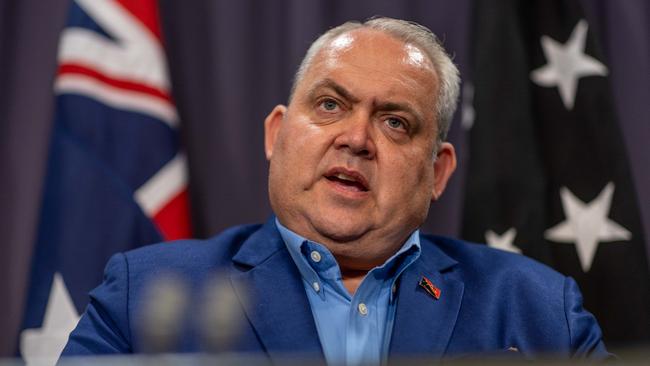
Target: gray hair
408,32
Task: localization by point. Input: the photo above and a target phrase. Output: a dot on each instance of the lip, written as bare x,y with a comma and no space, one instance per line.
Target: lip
355,175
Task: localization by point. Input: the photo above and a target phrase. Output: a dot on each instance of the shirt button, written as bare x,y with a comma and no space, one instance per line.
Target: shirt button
394,288
315,256
316,286
363,309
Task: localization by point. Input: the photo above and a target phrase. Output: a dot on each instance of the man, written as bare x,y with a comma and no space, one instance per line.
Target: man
342,272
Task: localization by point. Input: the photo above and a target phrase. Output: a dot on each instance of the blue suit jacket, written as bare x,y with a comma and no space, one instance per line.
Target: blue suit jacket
490,300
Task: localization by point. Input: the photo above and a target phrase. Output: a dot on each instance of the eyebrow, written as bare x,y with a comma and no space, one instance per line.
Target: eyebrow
382,106
331,84
393,106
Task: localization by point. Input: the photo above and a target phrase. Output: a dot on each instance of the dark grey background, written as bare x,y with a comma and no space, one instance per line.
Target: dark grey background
231,62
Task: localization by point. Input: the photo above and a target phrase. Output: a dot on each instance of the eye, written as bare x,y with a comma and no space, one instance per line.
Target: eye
329,105
396,123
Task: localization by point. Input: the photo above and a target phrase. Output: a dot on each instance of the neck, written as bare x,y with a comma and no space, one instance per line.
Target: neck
352,279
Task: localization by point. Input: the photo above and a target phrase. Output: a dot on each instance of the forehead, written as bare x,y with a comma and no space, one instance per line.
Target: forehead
375,63
368,41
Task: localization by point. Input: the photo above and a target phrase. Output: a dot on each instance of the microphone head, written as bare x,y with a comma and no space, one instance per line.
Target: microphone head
162,316
221,315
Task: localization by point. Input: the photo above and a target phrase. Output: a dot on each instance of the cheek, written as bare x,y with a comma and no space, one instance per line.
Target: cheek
409,176
301,148
291,138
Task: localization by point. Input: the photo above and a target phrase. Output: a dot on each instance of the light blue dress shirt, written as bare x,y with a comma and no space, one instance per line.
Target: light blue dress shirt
353,330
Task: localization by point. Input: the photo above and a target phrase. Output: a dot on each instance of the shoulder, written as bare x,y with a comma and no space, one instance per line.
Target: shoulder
489,265
193,254
517,300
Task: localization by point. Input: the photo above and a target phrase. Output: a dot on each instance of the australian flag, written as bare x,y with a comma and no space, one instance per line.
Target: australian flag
549,176
116,177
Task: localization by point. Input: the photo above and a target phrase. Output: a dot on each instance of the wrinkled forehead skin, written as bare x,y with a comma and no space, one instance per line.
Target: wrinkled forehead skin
345,42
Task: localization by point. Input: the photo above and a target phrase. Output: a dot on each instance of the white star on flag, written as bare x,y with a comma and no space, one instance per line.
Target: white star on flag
587,224
567,63
504,241
43,346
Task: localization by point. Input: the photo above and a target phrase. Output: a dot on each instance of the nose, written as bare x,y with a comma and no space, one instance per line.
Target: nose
356,136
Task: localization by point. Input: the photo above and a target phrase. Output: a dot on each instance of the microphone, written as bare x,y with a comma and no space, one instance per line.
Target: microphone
221,314
161,318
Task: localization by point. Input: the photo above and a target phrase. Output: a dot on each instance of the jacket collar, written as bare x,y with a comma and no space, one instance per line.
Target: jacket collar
276,303
424,325
262,244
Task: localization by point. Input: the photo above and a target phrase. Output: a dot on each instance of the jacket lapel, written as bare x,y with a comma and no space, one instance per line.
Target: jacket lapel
424,325
274,297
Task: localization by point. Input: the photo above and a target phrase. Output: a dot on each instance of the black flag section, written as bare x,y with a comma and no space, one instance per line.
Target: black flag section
548,173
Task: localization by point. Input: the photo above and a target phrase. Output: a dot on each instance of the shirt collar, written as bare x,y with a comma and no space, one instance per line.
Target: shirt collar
394,266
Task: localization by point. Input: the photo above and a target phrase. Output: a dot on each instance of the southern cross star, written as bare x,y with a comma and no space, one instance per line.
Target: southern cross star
587,224
504,241
566,64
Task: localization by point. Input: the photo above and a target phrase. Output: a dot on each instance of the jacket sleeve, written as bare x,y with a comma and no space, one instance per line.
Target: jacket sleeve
584,332
104,326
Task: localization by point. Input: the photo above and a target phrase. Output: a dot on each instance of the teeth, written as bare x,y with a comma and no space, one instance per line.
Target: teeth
345,177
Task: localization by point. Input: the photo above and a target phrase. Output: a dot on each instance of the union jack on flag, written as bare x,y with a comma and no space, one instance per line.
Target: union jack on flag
116,178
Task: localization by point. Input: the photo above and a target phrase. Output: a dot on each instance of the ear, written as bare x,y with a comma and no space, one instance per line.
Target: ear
444,166
271,127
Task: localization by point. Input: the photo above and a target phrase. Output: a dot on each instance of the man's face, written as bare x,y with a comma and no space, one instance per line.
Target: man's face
352,157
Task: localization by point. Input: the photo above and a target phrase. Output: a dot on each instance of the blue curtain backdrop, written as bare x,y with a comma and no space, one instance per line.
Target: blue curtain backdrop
231,62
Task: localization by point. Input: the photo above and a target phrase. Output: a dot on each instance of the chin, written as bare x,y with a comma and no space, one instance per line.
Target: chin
339,228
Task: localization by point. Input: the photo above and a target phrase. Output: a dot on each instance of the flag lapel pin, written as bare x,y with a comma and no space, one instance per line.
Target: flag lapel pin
430,288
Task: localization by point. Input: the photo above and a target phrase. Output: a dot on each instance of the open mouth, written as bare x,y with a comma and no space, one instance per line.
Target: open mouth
350,180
